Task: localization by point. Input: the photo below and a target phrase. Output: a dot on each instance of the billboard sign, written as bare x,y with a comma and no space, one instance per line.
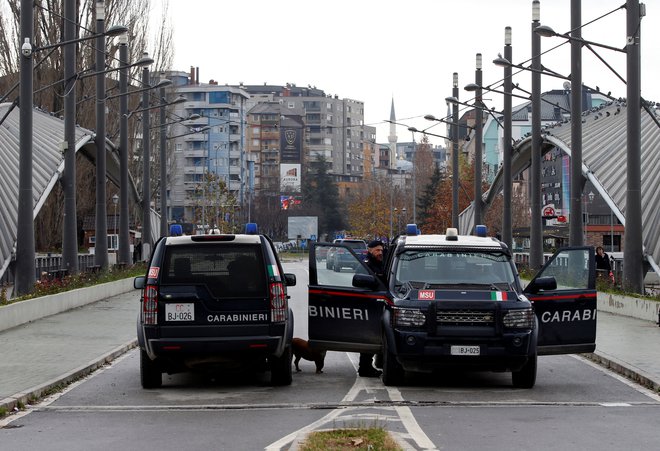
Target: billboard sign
303,227
291,144
290,179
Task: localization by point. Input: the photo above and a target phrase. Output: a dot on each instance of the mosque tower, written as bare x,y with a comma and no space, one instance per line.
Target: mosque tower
392,138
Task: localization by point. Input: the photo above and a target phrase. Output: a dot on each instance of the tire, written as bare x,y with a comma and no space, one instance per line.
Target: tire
393,372
280,368
336,268
526,376
150,374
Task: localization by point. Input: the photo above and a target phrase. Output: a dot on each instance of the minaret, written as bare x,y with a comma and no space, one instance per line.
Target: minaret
392,138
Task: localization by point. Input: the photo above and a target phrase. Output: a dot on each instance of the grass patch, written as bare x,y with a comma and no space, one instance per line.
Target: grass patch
375,438
80,280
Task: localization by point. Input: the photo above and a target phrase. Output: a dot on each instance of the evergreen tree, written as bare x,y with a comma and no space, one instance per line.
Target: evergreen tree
321,198
426,200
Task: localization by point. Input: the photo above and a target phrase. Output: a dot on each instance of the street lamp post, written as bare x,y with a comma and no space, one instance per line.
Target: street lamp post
588,199
101,244
163,166
536,231
69,227
115,201
575,224
25,265
633,269
414,178
146,157
478,143
124,224
507,148
454,156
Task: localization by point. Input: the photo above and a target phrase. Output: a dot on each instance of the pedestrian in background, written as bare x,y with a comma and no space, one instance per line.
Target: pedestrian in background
603,266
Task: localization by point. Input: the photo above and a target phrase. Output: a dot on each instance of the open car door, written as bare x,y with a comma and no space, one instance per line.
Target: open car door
345,305
564,298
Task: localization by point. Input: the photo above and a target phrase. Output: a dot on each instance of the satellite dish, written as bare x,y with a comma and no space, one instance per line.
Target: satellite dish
567,85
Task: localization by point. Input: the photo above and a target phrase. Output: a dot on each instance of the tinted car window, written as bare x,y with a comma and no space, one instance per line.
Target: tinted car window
437,268
227,270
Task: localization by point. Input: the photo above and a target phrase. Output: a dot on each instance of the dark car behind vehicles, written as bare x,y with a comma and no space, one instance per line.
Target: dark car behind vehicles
214,302
338,258
454,301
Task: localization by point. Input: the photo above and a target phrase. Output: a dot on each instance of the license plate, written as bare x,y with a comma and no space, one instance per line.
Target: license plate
180,312
465,350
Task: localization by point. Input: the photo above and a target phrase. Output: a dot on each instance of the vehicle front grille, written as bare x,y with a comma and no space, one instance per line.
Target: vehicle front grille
465,317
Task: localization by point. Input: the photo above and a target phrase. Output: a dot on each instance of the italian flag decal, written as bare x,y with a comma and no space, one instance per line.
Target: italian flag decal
498,296
273,271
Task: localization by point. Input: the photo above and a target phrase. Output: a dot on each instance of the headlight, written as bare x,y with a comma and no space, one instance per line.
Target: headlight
519,319
409,317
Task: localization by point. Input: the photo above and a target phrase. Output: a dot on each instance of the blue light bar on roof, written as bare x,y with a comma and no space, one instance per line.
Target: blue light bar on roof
481,230
411,229
251,228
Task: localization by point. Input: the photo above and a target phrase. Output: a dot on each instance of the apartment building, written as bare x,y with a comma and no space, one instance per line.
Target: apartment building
211,143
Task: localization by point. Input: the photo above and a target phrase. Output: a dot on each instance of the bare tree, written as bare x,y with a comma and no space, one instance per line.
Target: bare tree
49,89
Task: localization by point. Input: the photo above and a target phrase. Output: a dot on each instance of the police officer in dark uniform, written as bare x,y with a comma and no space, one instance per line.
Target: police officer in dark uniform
374,261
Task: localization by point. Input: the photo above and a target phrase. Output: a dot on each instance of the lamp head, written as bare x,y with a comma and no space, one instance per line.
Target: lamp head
123,39
507,35
162,83
144,61
455,79
478,61
545,31
452,100
413,129
502,62
471,87
117,30
430,117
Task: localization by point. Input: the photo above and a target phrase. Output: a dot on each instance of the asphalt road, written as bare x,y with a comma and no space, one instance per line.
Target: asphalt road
574,405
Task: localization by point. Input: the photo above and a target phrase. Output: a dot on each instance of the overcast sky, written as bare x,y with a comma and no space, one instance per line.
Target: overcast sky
376,50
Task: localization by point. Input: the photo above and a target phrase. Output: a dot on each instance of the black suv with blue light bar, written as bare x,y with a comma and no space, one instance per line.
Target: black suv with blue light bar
214,302
453,301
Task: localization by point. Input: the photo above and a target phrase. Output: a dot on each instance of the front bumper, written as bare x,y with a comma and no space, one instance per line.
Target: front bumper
416,351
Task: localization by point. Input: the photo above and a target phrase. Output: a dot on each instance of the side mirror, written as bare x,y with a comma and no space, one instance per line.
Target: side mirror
542,283
138,283
365,281
290,279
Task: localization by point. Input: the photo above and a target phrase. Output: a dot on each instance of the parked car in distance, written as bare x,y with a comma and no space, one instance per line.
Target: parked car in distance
215,303
338,258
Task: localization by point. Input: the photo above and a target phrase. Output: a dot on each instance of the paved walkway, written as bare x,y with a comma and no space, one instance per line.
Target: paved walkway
46,353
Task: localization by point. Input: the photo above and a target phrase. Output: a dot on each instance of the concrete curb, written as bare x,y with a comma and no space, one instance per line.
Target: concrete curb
639,308
22,312
625,369
39,391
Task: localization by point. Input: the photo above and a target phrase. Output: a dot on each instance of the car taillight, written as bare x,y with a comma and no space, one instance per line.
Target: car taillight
150,305
277,302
